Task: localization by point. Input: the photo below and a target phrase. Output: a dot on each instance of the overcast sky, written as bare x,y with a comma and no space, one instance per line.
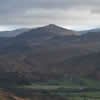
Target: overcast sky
75,14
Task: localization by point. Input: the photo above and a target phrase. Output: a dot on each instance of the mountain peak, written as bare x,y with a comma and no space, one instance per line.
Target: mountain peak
58,30
55,27
52,26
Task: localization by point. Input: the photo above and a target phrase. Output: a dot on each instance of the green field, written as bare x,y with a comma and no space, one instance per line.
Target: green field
66,89
87,89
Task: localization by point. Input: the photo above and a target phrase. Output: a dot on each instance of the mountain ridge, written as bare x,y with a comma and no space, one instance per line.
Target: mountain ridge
13,33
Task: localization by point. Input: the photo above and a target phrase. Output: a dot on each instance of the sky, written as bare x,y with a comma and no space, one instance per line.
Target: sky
72,14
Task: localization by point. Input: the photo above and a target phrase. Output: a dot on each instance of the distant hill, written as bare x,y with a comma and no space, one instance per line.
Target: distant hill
91,35
12,33
89,31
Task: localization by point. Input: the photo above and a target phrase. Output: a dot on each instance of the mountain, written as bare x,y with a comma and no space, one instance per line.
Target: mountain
47,32
13,33
45,53
50,36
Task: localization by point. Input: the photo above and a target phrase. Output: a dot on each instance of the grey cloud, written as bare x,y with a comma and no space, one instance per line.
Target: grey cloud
29,12
20,5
